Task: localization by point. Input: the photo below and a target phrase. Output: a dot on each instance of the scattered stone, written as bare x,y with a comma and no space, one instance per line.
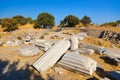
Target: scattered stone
42,44
12,43
27,40
98,49
113,56
54,37
52,55
111,36
58,70
74,43
78,63
67,33
113,52
28,51
1,42
81,36
85,51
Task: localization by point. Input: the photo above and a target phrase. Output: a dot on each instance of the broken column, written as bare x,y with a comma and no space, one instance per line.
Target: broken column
113,56
74,42
85,51
78,63
49,58
81,36
27,40
42,44
98,49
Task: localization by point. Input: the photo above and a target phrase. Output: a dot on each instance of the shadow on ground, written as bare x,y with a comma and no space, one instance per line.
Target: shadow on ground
109,60
9,71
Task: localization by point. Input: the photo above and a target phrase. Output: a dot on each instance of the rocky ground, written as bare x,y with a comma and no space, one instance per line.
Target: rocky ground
15,67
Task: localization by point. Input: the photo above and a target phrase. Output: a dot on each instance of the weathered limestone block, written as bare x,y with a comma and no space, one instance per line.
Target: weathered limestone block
74,42
113,56
27,40
28,51
78,63
42,44
1,42
81,36
98,49
85,51
12,43
49,58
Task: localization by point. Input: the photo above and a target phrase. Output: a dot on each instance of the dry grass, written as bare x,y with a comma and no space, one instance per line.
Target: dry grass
97,41
114,29
10,53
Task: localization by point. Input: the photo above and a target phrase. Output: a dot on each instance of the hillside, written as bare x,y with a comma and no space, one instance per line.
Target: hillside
14,66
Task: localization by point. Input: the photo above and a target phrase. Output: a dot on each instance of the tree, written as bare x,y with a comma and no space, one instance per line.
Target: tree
70,21
0,21
29,20
118,21
9,24
36,25
86,20
20,19
45,20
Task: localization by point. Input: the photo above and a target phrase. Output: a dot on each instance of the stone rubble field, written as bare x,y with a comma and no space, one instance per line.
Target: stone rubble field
59,54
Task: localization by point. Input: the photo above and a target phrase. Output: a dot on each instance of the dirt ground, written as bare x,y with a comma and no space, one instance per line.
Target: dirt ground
15,67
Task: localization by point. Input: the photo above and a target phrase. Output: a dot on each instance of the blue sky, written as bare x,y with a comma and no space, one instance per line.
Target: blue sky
99,11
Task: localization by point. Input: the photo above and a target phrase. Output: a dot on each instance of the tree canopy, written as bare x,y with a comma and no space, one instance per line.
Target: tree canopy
70,21
29,20
20,19
44,20
9,24
86,20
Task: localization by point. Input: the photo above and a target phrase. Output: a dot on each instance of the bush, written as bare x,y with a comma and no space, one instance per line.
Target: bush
37,25
70,21
45,20
113,24
20,19
9,24
86,20
29,20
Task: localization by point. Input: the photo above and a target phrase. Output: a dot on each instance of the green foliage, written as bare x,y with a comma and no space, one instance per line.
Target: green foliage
20,19
29,20
9,24
86,20
45,20
118,22
70,21
113,24
0,21
36,25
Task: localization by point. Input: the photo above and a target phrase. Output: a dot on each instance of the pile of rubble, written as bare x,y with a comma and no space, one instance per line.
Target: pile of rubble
111,36
67,52
74,60
39,44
